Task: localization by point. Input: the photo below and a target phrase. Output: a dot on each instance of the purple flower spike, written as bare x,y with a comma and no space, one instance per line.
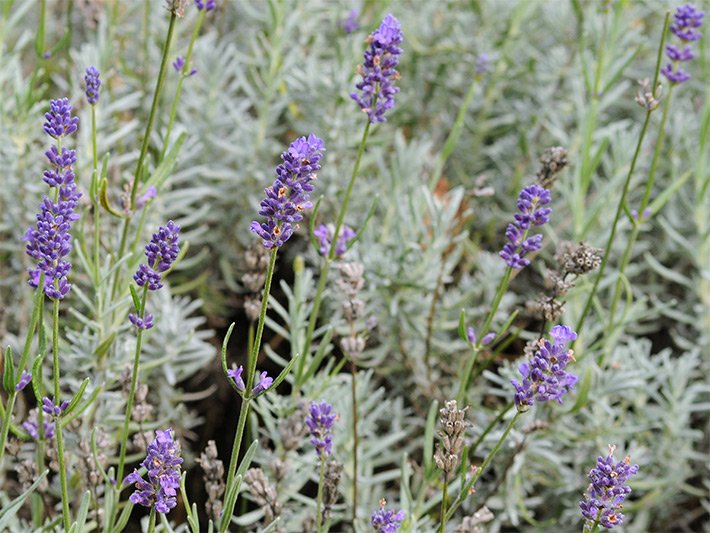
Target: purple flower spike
25,379
320,422
379,70
207,5
163,464
58,121
179,63
262,386
386,520
350,24
544,375
483,64
532,212
161,252
92,85
607,491
141,323
686,21
52,409
677,75
236,375
289,195
324,234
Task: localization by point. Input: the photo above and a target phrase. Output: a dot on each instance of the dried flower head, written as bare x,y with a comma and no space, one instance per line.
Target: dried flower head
177,7
580,259
450,445
378,71
163,464
333,472
213,477
473,523
647,98
608,490
264,493
552,161
544,375
289,195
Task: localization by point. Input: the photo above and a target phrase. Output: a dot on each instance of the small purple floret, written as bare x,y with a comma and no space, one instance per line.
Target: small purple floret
386,520
350,24
161,252
141,323
52,409
31,427
607,491
531,212
686,21
289,195
320,422
58,121
179,63
236,375
324,234
92,85
379,71
163,464
25,378
544,375
207,5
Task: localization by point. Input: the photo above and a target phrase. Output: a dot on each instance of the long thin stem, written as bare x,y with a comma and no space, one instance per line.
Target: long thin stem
325,267
95,200
470,483
132,391
444,497
622,199
472,449
319,497
466,376
353,391
236,447
151,520
60,440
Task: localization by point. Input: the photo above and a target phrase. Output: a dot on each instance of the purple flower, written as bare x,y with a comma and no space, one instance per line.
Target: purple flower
149,194
25,378
386,520
320,422
92,85
52,409
379,70
161,251
58,121
544,375
350,24
207,5
193,71
141,323
531,212
236,375
264,383
607,491
324,233
62,172
473,339
483,64
674,54
686,20
289,195
163,464
31,427
677,75
179,63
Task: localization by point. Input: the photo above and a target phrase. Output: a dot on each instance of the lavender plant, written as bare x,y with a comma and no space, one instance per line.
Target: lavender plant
442,129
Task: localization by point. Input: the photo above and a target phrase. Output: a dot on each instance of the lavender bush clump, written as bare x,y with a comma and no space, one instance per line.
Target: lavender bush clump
413,359
163,465
379,71
607,491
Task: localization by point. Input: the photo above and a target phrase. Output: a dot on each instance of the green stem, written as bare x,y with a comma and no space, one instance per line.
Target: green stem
467,486
319,498
236,446
472,449
353,391
325,267
444,497
466,376
131,392
254,355
60,440
622,200
137,175
95,200
151,520
183,75
7,420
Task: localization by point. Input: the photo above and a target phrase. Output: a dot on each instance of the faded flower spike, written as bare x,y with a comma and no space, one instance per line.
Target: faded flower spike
58,121
289,195
386,520
544,375
320,422
324,234
531,209
161,251
605,495
163,464
379,70
92,85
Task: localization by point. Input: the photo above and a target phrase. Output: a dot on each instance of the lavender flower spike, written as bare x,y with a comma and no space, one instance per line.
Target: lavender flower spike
207,5
324,234
531,209
92,85
544,375
379,71
686,21
320,422
386,520
163,464
59,122
161,252
607,491
289,195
